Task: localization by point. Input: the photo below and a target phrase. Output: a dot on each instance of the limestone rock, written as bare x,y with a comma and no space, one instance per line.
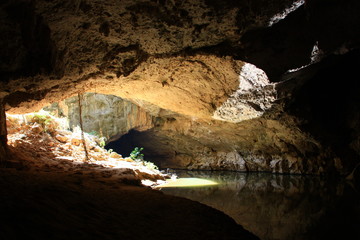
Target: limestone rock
36,129
97,149
76,141
106,115
253,98
128,159
115,155
61,138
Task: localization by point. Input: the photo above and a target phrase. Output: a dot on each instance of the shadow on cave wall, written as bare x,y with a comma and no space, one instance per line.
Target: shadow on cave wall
329,104
27,48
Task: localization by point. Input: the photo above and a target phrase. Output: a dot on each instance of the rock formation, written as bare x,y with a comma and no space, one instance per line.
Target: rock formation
106,115
186,63
3,134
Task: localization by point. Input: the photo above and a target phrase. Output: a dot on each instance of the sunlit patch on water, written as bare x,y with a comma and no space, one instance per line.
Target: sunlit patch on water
187,182
279,207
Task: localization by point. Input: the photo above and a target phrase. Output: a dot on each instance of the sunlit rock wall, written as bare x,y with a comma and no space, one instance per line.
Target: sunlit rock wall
266,143
253,145
252,99
174,141
106,115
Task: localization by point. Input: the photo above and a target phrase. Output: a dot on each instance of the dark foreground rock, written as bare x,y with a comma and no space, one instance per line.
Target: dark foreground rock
69,206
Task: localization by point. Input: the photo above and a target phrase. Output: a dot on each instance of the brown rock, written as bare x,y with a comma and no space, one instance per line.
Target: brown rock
128,159
115,155
36,129
61,138
97,149
76,141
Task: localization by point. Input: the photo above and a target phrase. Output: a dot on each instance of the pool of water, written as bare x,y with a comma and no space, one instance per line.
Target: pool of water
281,207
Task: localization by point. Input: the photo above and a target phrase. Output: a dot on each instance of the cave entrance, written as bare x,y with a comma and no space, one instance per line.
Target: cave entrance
125,144
155,148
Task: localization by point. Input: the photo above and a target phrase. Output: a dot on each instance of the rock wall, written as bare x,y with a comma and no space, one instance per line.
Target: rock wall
269,143
263,144
328,105
3,133
106,115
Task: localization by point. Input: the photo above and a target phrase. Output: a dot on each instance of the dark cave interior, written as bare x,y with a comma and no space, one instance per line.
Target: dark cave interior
154,150
124,145
329,103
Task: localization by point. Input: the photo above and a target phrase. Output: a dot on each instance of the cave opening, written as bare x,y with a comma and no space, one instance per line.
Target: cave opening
156,146
125,144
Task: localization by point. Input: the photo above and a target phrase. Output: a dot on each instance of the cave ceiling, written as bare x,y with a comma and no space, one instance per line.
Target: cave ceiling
181,55
184,56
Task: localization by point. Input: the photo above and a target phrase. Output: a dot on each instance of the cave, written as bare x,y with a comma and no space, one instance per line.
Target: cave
125,144
136,139
207,88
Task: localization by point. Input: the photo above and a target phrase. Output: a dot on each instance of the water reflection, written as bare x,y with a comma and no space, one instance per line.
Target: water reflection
281,207
187,182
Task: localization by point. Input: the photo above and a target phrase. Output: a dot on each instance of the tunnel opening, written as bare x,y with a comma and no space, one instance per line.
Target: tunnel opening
125,144
156,147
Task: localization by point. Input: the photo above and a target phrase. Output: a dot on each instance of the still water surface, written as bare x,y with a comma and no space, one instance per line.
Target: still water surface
280,207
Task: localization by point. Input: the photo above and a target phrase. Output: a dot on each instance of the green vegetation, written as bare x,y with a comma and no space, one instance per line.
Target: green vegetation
41,119
150,165
94,133
137,156
102,142
44,120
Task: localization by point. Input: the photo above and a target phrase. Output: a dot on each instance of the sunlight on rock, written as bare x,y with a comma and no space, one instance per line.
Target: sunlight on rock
254,96
44,141
280,16
187,182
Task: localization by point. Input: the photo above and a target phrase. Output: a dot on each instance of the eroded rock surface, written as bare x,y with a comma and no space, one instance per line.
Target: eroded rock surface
268,143
106,115
3,134
186,58
252,99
